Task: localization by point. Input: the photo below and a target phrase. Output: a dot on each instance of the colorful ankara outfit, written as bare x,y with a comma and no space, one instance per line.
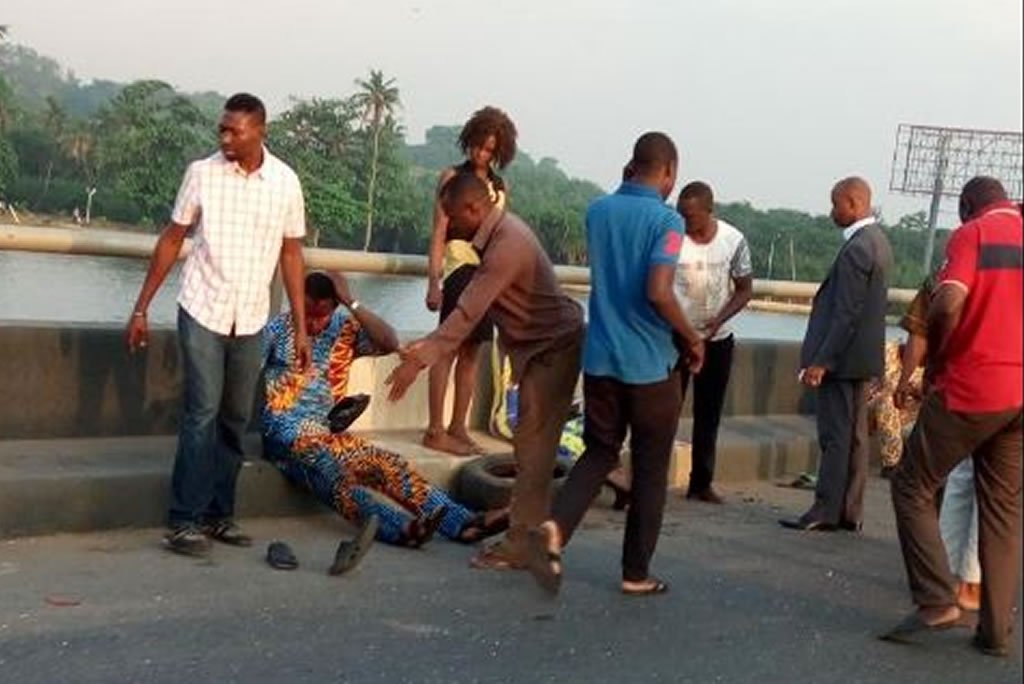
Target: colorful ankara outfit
344,471
885,421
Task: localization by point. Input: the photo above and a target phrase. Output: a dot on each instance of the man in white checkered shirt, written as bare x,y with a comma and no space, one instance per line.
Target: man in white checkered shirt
244,209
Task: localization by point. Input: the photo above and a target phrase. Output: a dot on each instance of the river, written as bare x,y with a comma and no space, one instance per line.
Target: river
86,289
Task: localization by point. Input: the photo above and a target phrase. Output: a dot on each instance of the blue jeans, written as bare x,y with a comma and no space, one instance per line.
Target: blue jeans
221,375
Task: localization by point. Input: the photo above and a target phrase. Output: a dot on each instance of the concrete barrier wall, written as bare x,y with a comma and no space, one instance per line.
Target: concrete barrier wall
61,381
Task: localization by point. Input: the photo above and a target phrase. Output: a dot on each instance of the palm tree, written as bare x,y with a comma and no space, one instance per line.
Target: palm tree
80,145
378,99
55,123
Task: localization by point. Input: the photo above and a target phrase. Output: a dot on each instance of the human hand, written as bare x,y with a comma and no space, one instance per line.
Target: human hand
303,351
433,295
695,356
137,333
341,288
813,376
402,377
905,394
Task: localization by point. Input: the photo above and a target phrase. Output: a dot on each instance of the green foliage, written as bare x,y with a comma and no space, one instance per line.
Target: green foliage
148,134
553,204
816,241
440,150
8,168
365,187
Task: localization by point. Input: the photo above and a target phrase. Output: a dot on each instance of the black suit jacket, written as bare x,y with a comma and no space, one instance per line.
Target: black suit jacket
846,330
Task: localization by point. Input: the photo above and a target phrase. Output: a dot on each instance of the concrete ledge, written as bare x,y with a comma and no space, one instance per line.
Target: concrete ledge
78,381
76,485
760,447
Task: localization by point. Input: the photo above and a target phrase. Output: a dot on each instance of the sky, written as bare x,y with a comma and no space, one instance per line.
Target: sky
770,102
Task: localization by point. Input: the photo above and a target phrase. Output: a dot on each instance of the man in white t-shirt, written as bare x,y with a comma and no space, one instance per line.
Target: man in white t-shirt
714,281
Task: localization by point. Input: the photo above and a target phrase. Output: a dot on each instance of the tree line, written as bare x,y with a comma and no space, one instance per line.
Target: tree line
102,149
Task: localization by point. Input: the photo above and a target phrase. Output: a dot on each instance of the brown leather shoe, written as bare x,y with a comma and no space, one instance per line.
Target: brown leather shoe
708,495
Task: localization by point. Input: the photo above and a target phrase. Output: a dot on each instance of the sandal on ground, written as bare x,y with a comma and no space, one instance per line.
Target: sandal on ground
803,481
281,557
351,551
494,558
423,529
544,564
480,528
650,587
913,625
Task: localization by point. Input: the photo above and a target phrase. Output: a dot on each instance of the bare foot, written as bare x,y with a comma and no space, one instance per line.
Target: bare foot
938,615
545,556
442,441
463,437
969,596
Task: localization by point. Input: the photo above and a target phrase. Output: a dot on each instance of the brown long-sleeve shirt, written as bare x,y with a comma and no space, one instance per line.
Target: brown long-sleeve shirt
517,283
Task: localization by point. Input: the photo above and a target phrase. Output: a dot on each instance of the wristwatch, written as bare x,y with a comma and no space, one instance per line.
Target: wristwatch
354,306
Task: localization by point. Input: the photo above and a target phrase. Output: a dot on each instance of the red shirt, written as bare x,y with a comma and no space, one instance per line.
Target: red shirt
984,358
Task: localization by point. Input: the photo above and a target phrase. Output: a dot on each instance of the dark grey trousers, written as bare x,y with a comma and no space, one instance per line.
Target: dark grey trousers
842,414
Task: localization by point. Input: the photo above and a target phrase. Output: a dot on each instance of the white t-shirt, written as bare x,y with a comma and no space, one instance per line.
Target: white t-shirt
705,273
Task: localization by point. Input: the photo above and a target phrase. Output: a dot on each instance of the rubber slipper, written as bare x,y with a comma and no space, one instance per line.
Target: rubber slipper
913,624
431,523
281,557
479,529
803,481
544,564
656,587
351,551
491,558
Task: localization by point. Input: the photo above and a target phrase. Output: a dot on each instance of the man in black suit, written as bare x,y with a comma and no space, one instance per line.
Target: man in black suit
842,351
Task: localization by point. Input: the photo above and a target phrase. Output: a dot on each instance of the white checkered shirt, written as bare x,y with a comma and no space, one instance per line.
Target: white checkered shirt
238,223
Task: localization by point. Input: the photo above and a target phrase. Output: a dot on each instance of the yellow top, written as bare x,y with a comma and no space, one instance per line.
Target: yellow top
460,252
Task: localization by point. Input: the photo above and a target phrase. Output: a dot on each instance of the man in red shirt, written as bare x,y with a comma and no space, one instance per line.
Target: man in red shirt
975,326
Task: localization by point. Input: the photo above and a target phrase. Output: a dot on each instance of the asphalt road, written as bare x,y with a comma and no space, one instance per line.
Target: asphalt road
750,602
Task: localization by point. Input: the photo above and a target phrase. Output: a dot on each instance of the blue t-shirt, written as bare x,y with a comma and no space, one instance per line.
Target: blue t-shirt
628,232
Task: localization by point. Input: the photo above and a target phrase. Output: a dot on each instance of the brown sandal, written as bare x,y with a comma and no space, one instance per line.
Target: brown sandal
493,558
479,528
653,586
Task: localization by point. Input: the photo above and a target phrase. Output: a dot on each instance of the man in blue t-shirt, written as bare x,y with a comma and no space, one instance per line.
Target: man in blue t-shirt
630,381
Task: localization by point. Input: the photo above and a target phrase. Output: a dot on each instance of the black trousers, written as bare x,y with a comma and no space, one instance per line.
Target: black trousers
651,414
708,399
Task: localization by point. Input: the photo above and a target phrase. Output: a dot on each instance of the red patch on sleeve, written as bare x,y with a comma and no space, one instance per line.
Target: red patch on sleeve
673,243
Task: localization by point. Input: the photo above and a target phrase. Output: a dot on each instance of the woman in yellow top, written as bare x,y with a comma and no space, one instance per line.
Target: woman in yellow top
488,140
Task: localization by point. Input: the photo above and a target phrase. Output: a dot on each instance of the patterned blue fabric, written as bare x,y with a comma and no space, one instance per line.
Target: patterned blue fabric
344,471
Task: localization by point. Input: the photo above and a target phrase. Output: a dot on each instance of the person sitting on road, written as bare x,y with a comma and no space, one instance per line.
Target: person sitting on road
345,471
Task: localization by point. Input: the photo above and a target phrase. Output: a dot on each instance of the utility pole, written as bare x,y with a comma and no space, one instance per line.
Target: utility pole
941,163
792,261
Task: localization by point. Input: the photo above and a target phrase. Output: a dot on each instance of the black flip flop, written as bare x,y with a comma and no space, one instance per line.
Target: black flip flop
281,557
655,588
432,523
481,529
351,551
541,561
913,625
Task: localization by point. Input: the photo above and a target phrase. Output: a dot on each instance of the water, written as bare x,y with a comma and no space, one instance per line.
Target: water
85,289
